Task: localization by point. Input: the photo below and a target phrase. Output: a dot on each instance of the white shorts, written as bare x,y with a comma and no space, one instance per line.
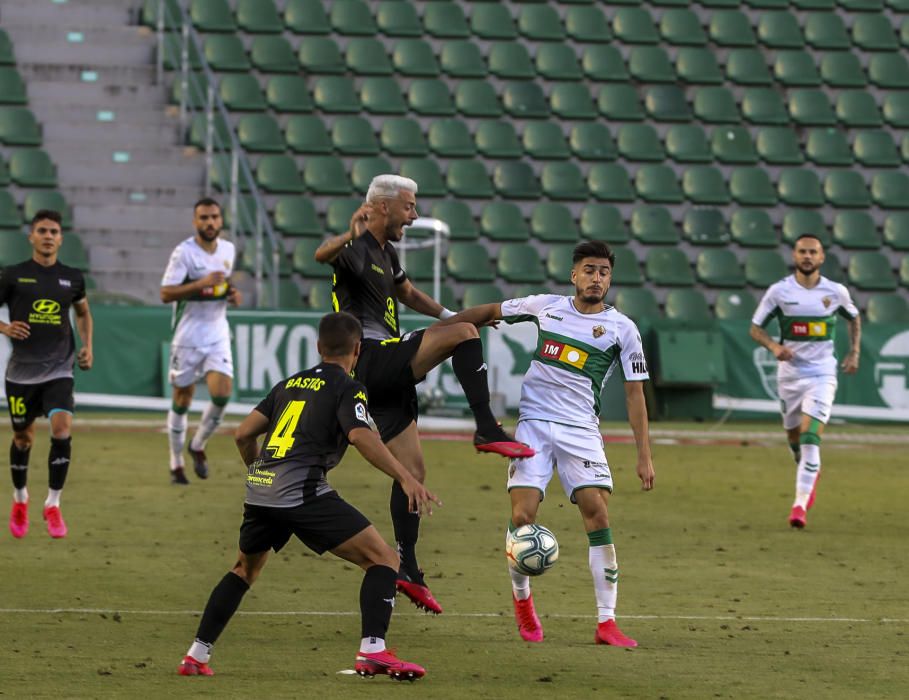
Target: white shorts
576,452
812,396
189,365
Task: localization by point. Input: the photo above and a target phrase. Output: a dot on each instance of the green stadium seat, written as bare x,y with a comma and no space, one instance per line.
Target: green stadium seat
698,66
828,146
552,223
426,173
716,105
687,143
557,62
197,96
861,5
904,33
587,25
871,270
278,173
736,305
780,30
764,105
719,268
367,56
874,32
516,180
887,308
633,25
620,102
747,66
352,17
796,69
626,270
797,222
856,229
764,267
658,183
457,215
545,141
477,294
688,306
904,147
520,262
288,93
752,228
219,174
289,296
462,59
846,188
468,178
826,30
420,263
592,141
339,213
752,187
10,218
477,98
303,260
415,57
364,170
857,108
319,296
843,69
14,248
682,27
224,52
832,269
492,21
889,70
46,199
650,64
398,18
296,216
320,54
640,142
904,271
212,16
326,175
667,103
896,109
73,253
896,230
172,50
733,144
559,261
7,56
306,17
149,15
402,136
603,222
654,226
498,139
430,97
510,59
890,190
306,133
609,182
801,188
353,135
4,174
258,17
525,100
604,63
469,262
810,107
705,227
382,95
450,138
503,221
637,304
445,20
875,149
241,93
704,184
668,267
260,133
731,28
779,145
32,168
272,54
540,23
572,101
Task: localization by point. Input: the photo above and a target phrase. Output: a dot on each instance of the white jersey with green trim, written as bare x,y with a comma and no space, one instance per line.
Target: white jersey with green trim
201,320
807,320
576,353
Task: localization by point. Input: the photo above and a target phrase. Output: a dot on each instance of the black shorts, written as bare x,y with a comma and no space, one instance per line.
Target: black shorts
384,367
28,401
321,524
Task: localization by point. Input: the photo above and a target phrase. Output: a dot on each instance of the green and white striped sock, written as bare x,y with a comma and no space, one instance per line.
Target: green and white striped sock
605,572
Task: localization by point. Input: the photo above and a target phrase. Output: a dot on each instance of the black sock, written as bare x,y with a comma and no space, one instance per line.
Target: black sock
222,604
58,462
407,532
18,462
377,595
470,369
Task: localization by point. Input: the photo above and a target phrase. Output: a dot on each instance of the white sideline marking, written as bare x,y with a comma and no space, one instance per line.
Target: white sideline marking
351,613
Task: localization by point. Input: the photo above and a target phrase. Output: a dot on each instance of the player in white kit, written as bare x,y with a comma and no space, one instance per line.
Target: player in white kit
197,283
581,342
807,306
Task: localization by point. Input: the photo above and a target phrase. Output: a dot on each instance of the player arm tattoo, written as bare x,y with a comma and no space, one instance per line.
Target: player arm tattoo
246,436
640,427
851,361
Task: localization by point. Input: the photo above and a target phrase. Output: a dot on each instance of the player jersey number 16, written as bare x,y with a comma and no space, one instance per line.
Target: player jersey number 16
17,405
282,438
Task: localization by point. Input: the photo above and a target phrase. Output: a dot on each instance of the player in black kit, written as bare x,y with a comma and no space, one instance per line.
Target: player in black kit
39,377
308,421
369,282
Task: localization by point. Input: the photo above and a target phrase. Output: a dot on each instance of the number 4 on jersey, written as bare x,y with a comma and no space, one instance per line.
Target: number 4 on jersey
282,437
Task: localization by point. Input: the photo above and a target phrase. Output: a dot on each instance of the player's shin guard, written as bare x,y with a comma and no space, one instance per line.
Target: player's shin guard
176,434
222,604
407,532
211,419
377,600
18,464
470,369
605,571
58,462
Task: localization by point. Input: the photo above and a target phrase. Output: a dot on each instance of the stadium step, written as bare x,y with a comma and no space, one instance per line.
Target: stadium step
91,195
44,93
84,44
89,73
94,12
147,217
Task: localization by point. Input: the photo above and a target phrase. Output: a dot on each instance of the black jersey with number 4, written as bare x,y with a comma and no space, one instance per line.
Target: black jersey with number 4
364,285
309,418
41,297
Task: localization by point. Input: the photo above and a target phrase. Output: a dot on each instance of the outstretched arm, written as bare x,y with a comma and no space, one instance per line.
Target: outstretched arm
850,363
481,315
637,417
331,248
418,300
762,337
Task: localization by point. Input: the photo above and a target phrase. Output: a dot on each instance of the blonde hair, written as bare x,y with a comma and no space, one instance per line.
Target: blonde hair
389,186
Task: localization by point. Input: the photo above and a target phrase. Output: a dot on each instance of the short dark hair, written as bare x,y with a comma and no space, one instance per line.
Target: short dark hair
339,334
49,214
808,235
207,202
593,249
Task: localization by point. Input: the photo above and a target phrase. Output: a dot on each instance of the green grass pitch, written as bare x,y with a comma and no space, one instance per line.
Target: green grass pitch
725,600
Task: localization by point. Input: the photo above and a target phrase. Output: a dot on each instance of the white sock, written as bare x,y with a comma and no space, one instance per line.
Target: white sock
176,435
53,498
520,583
20,495
211,419
806,475
200,651
372,645
605,573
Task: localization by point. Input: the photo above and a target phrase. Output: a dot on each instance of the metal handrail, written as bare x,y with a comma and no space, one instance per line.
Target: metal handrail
439,230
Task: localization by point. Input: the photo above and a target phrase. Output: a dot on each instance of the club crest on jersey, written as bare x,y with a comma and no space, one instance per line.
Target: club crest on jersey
598,331
826,301
360,410
553,350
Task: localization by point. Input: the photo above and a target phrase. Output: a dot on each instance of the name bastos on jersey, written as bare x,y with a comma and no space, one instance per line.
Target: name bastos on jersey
576,353
807,320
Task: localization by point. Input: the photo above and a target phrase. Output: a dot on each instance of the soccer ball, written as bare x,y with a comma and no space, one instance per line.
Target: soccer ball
531,549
